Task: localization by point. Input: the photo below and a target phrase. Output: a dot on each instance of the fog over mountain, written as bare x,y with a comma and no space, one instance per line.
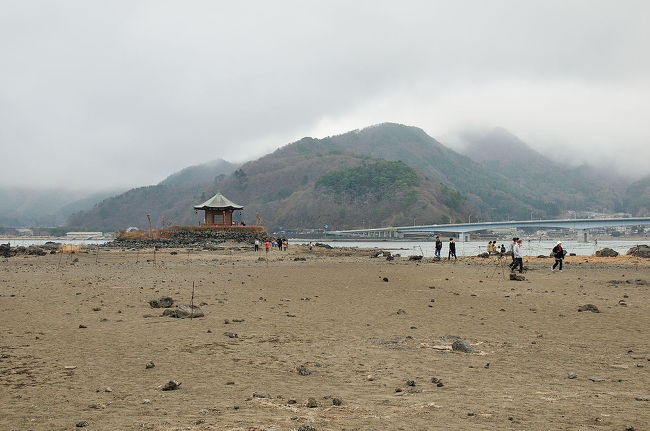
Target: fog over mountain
122,93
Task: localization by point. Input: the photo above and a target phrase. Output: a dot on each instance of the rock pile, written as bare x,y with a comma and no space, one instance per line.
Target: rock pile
642,250
606,252
201,239
33,250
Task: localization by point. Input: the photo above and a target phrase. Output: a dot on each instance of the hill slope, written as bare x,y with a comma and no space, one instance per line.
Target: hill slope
563,187
506,180
181,189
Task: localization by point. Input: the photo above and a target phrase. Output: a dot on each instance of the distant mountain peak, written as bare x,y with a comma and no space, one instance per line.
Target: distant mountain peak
202,173
499,145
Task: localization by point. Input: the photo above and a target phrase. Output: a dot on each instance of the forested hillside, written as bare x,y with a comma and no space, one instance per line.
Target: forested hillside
389,174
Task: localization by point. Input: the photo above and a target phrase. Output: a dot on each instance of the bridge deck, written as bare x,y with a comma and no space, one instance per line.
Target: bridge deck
473,227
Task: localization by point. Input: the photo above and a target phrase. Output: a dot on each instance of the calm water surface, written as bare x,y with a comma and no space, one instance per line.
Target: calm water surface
472,248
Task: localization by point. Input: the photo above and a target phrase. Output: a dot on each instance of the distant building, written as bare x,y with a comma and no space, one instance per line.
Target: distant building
83,235
218,210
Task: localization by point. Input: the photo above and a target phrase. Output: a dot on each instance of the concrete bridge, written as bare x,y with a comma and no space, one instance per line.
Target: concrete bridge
580,225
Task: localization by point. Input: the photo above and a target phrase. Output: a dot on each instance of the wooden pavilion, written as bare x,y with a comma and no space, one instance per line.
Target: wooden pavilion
218,210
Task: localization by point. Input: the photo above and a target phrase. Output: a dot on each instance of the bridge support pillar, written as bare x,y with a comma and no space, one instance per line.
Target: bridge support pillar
583,235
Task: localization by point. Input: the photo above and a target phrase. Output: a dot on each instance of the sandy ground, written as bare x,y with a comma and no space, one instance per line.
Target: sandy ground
361,337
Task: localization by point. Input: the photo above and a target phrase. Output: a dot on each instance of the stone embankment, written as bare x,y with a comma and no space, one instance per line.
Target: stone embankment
178,237
33,250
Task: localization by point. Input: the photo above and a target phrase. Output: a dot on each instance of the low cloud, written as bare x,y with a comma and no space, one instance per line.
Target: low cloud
124,93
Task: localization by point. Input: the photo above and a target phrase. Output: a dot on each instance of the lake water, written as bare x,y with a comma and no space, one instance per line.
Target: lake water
27,242
472,248
425,248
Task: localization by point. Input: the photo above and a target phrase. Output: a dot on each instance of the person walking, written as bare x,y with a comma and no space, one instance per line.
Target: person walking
511,249
267,247
518,253
558,254
438,247
452,249
257,244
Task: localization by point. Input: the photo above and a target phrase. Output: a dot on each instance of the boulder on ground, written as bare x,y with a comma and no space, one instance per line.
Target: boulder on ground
162,302
589,307
642,250
461,345
51,246
516,277
184,311
7,251
35,250
606,252
416,258
172,385
484,254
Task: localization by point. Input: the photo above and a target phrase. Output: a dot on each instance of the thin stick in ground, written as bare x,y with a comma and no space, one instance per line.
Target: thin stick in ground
192,303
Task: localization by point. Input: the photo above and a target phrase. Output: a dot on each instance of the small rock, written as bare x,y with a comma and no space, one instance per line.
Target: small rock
461,345
302,370
184,311
312,403
471,414
82,327
172,385
146,401
305,427
401,312
337,401
385,279
589,307
410,383
642,398
231,335
81,424
261,395
572,375
516,277
162,302
149,365
108,389
398,389
596,379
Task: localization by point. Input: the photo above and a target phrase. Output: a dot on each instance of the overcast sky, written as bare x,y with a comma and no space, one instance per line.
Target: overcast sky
123,93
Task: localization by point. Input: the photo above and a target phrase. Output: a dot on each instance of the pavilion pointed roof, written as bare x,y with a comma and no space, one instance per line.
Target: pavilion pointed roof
218,201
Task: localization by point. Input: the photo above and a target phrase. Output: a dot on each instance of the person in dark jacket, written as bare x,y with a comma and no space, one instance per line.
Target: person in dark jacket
438,247
452,249
558,254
